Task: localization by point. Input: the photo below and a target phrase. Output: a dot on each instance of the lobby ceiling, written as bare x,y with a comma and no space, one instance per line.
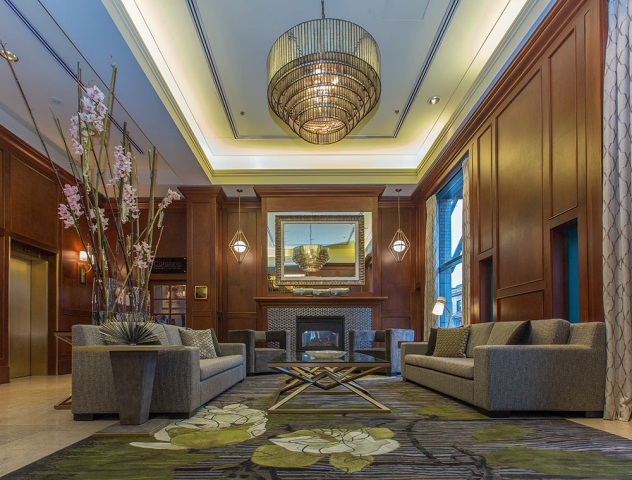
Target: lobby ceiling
192,81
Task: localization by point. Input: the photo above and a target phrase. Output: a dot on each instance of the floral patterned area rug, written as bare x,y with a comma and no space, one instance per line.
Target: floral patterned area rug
426,436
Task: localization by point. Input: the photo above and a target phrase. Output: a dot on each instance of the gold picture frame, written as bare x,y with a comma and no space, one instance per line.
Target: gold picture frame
201,292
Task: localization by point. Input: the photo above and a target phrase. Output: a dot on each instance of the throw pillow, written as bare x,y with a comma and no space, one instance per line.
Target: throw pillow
432,341
451,342
203,339
218,351
521,335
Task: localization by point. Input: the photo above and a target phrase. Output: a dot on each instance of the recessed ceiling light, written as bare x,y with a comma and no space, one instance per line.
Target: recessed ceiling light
12,57
434,100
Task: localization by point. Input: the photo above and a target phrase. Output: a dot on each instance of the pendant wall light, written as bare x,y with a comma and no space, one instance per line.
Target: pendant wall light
399,245
239,244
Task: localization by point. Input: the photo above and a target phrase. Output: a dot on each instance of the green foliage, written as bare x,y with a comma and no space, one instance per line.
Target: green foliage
349,463
202,439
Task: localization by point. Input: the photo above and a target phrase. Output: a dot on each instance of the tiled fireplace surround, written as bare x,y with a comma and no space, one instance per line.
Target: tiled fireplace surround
284,318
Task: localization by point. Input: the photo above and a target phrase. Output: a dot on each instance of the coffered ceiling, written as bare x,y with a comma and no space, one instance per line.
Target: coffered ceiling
192,81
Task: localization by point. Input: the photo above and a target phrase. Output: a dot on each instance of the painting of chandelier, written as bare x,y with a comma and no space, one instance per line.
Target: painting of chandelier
324,78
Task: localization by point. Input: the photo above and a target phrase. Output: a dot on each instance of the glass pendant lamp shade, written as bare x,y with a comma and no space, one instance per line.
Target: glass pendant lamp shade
324,78
239,245
400,244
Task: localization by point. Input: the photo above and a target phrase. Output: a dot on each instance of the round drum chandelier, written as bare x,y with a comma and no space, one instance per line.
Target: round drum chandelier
323,78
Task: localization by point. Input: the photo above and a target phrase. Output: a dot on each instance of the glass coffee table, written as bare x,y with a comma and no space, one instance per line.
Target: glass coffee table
326,374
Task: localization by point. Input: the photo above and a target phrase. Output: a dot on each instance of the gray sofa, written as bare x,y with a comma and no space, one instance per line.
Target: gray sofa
564,368
182,382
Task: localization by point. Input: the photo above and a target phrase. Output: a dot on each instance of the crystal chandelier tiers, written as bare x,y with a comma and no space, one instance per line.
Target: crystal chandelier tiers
323,78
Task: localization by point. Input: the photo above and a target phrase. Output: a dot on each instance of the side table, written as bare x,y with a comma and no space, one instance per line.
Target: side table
133,369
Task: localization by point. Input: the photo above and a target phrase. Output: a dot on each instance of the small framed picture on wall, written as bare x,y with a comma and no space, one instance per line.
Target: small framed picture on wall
201,292
82,275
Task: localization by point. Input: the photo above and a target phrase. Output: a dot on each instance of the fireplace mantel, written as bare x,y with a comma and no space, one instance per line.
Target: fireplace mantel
351,301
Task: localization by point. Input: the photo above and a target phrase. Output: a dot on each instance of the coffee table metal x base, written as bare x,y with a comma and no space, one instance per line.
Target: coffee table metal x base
325,378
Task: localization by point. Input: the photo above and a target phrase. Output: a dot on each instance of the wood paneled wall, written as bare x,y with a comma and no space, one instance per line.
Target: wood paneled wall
240,280
397,279
205,255
535,150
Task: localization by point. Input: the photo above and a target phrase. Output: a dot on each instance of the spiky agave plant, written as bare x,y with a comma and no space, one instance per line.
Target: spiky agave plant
132,328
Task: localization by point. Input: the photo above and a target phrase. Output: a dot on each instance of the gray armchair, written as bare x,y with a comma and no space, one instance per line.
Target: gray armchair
257,357
361,341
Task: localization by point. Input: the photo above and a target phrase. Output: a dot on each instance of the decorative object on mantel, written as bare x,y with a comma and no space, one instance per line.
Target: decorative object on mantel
400,244
320,292
303,292
104,195
324,78
339,292
239,244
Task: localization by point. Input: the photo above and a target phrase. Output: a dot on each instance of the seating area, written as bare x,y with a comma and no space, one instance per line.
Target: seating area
392,338
560,367
183,381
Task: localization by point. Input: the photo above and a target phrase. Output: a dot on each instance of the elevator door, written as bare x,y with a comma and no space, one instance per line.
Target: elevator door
28,316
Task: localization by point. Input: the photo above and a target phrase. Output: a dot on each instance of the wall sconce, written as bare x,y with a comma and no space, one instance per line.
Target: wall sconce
439,307
239,244
83,256
400,244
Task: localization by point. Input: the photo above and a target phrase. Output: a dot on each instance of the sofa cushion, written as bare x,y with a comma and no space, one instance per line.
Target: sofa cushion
451,342
432,341
460,367
173,334
550,332
218,351
159,330
201,339
501,332
479,334
521,335
212,366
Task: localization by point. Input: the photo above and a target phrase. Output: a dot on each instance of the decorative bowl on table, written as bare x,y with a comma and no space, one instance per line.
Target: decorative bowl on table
326,354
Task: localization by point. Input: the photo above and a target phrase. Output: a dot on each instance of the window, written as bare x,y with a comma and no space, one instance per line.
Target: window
169,303
450,211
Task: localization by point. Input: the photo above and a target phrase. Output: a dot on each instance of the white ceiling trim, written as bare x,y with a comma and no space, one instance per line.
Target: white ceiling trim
184,120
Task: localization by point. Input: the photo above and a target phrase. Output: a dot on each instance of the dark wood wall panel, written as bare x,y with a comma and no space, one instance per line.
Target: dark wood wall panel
32,192
563,127
485,191
528,306
536,171
4,309
519,165
240,280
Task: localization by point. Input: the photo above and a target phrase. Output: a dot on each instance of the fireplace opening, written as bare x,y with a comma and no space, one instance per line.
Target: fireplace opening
320,333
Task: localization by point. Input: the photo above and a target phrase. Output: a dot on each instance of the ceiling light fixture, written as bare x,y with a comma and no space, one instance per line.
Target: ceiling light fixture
12,57
434,100
239,244
400,244
323,78
310,258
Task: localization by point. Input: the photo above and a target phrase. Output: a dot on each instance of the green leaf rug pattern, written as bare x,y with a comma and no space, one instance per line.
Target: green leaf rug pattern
562,462
349,450
503,431
211,427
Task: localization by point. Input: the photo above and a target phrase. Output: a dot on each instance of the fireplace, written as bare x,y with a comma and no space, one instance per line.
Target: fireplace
320,333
